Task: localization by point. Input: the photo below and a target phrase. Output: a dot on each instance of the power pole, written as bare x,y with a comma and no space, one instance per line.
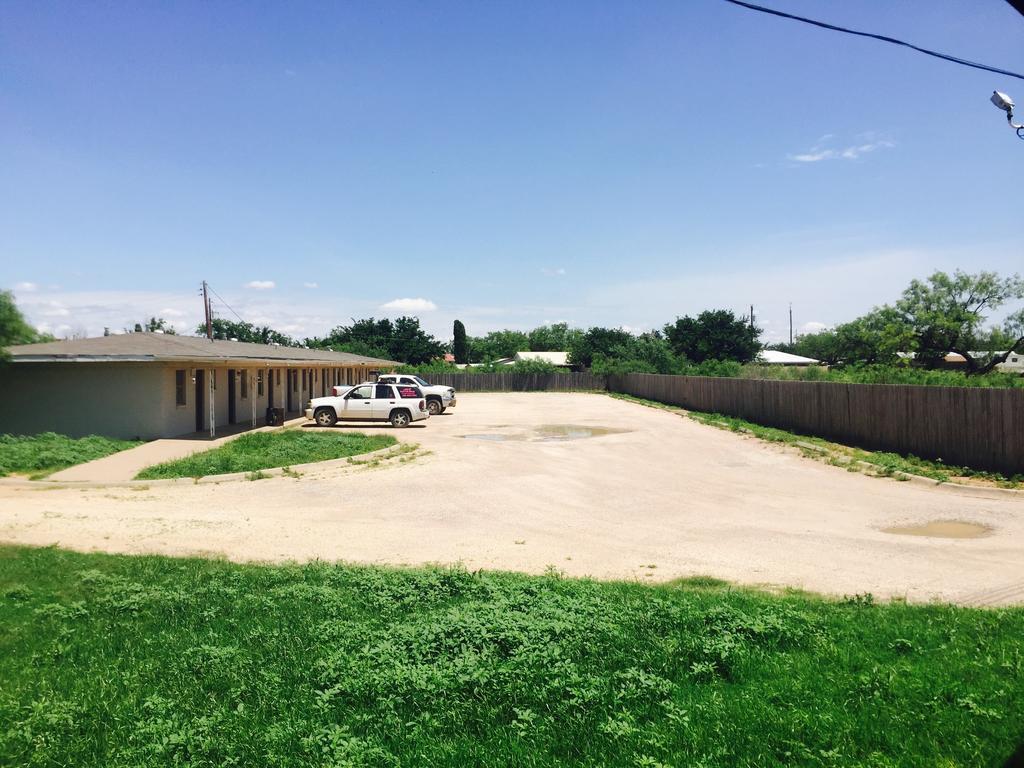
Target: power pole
206,309
751,315
791,323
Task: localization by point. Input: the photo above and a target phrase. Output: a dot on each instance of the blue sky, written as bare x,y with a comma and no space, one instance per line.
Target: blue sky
506,163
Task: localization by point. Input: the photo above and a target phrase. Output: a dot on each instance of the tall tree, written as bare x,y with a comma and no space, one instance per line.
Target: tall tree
459,346
231,330
402,340
947,313
14,329
156,325
556,337
715,334
598,342
496,345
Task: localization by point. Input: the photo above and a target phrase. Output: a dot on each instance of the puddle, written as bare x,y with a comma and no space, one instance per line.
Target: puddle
555,432
941,529
494,437
547,433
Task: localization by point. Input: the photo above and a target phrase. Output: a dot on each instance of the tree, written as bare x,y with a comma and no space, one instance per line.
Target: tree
552,338
877,338
597,342
646,353
156,325
230,330
459,346
947,314
496,345
14,329
402,340
714,335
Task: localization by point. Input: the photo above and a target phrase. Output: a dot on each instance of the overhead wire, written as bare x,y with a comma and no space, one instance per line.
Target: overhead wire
873,36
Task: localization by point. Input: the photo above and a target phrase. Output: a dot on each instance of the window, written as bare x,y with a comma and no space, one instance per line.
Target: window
244,375
259,383
303,378
279,377
294,376
406,380
179,388
384,392
361,393
407,393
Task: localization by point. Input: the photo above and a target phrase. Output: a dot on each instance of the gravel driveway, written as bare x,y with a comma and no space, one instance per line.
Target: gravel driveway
586,483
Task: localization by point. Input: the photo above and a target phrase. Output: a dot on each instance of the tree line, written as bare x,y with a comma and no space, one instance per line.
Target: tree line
940,314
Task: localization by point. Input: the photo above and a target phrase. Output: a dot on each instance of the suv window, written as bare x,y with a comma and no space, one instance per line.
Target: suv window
406,380
361,393
409,393
384,392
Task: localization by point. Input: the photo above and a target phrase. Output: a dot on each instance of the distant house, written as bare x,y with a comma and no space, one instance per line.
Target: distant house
558,359
150,385
774,357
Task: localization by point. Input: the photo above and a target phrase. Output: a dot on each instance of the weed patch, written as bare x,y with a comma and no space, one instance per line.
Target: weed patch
263,450
41,455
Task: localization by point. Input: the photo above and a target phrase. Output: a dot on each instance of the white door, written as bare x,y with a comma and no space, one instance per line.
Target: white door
384,400
359,404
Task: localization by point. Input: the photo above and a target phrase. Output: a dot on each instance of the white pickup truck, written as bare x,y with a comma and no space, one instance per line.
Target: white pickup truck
400,404
439,398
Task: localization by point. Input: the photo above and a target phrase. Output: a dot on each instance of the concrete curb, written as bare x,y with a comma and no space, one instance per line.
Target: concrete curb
230,477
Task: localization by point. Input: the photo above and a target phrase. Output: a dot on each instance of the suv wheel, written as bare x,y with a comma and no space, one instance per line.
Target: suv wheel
400,419
435,407
325,417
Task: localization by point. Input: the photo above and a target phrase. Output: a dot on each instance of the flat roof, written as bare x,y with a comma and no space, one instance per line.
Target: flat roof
165,347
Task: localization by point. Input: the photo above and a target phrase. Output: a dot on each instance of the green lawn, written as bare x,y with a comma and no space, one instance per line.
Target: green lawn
39,455
263,450
144,661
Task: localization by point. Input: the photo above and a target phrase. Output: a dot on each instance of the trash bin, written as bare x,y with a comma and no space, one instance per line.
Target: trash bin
275,417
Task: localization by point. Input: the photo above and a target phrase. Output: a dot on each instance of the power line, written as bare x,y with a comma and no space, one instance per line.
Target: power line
883,38
225,304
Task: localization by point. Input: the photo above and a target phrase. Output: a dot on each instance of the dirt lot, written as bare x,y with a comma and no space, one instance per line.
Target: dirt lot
652,496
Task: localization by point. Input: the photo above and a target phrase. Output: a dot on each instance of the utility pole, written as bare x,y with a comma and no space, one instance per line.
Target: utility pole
791,323
751,315
206,309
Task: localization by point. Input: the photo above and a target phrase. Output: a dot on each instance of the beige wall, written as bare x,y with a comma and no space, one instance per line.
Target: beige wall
113,399
137,400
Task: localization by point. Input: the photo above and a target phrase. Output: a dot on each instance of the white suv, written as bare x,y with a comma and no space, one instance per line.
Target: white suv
399,404
439,397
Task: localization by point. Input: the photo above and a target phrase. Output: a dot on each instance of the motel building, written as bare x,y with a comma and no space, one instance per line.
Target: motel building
151,385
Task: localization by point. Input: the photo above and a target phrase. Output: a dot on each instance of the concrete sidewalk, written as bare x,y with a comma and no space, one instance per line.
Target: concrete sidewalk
125,465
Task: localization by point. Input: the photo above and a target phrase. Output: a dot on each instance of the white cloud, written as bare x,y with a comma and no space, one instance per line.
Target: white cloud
26,287
171,312
818,152
409,305
813,327
556,272
260,285
310,285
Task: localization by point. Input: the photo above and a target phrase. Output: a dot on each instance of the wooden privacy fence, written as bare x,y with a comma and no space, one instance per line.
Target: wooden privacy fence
977,427
518,382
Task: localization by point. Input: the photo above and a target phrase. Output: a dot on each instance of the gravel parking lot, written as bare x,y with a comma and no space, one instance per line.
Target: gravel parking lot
582,482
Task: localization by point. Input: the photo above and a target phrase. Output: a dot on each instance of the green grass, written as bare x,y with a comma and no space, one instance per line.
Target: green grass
40,455
263,450
149,661
882,462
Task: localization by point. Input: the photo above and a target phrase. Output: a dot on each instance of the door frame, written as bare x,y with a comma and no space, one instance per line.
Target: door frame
200,397
232,387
